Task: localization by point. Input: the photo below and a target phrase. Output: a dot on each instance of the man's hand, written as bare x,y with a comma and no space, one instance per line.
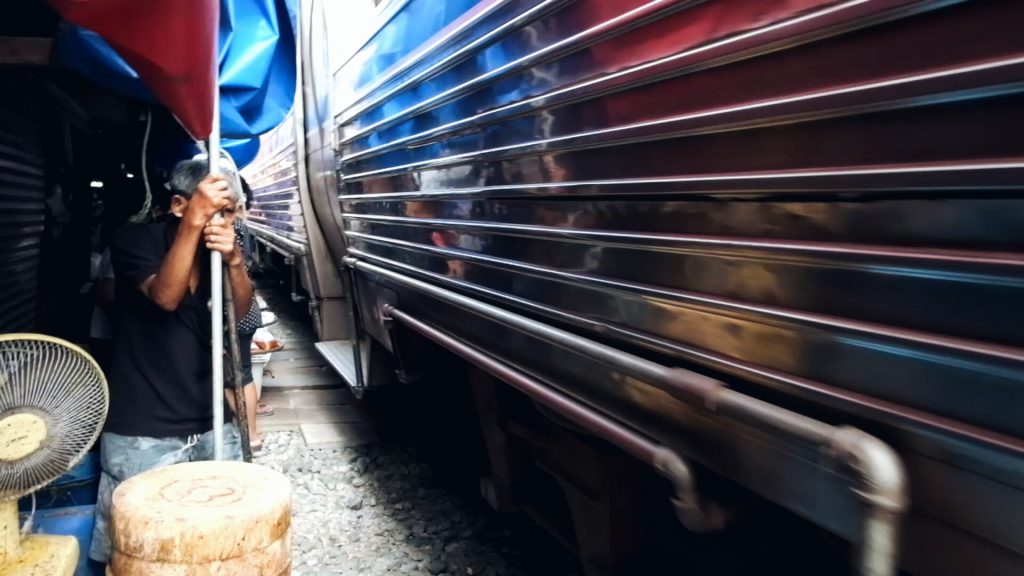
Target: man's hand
210,197
219,235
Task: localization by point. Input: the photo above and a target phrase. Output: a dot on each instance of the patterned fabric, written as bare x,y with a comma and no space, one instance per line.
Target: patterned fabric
252,320
248,325
122,457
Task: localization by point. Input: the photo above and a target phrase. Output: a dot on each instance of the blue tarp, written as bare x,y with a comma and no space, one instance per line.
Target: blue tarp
257,70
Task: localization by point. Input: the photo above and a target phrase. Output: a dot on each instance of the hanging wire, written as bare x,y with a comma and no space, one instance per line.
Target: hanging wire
143,212
27,526
145,163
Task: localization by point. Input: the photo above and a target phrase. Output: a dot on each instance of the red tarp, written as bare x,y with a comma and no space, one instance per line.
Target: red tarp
171,44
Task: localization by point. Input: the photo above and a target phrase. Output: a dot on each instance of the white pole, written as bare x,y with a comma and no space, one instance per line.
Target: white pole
217,296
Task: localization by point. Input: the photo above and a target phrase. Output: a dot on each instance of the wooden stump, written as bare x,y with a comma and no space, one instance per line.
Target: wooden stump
200,518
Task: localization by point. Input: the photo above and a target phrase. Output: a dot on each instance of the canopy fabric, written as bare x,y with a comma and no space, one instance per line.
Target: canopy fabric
256,58
168,151
257,65
165,44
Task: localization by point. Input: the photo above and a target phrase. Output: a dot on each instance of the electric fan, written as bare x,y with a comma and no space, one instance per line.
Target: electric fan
53,401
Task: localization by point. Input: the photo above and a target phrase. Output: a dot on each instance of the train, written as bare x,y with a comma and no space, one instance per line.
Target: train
745,267
639,206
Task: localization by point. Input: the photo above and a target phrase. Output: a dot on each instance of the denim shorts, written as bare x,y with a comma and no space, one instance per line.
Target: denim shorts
122,457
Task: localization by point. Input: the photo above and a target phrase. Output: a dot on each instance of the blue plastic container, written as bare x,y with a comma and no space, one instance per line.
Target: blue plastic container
74,521
76,488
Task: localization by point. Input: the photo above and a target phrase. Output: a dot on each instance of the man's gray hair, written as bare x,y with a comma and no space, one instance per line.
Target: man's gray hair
186,176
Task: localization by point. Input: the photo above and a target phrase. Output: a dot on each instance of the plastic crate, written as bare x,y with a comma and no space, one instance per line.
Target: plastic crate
76,488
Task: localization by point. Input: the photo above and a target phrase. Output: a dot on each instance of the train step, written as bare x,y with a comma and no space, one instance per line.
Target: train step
339,354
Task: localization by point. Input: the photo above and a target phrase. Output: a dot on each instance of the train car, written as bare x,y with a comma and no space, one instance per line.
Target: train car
749,234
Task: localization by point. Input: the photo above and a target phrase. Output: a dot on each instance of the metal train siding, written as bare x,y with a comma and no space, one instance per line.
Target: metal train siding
815,203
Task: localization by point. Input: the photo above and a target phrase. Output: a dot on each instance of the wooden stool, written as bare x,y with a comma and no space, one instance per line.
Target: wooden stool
201,518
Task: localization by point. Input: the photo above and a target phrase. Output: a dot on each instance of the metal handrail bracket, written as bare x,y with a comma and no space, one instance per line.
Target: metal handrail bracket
876,473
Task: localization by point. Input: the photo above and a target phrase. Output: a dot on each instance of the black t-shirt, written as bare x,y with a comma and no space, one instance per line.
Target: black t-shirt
160,375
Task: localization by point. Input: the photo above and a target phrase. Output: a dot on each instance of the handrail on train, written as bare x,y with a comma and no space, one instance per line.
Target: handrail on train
693,513
877,474
284,246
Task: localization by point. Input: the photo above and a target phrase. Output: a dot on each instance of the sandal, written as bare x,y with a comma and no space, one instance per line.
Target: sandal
255,447
264,409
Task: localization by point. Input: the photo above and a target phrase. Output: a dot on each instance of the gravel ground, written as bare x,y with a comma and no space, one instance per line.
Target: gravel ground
376,510
381,508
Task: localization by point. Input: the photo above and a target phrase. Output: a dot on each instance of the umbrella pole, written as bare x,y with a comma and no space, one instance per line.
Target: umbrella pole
241,409
217,298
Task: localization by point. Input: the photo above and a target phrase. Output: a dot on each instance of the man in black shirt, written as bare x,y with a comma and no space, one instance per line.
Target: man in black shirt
161,407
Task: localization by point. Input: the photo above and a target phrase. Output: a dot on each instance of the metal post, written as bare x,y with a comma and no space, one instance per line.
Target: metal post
217,297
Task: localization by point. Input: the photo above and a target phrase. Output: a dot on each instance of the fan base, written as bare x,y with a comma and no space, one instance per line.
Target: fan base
43,555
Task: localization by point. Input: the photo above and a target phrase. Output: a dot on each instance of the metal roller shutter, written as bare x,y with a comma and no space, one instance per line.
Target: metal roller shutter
22,197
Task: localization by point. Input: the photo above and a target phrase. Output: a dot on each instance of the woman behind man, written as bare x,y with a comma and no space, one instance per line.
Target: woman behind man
247,328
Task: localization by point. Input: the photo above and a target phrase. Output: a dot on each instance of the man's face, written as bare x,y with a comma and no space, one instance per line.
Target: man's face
229,215
179,205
